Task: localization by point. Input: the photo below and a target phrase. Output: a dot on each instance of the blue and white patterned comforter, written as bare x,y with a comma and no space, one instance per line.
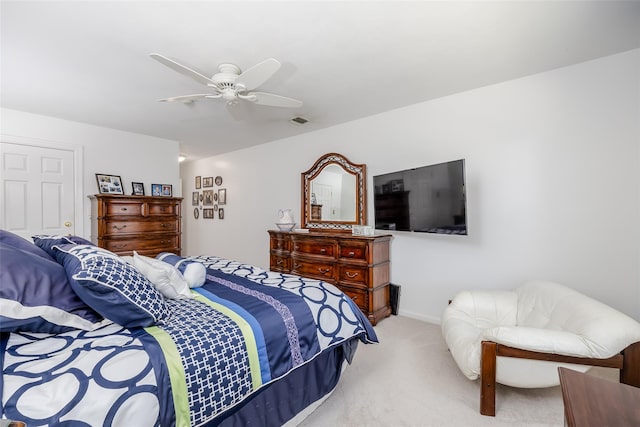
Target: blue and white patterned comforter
245,328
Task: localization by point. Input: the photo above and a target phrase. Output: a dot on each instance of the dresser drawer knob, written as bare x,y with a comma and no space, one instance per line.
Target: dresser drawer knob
296,247
323,250
351,275
122,227
163,225
124,209
323,270
351,253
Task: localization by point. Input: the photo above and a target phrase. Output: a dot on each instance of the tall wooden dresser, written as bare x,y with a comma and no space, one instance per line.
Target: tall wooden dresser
358,265
148,225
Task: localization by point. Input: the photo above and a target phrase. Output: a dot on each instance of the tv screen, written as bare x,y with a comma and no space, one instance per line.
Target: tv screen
428,199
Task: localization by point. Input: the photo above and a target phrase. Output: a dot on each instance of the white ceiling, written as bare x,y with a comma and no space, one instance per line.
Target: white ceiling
88,61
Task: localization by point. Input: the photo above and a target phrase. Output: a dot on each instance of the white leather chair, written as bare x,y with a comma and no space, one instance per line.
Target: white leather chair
520,338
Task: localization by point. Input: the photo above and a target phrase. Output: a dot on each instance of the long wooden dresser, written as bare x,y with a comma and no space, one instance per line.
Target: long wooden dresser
358,265
148,225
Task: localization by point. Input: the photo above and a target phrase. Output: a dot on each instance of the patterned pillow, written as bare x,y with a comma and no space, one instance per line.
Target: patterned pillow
112,287
47,242
35,295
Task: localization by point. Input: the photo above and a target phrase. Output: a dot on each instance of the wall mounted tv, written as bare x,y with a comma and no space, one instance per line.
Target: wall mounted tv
428,199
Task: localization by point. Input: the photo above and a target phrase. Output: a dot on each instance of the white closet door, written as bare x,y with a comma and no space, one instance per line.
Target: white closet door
37,190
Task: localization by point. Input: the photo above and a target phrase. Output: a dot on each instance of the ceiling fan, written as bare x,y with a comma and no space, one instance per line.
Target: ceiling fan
232,85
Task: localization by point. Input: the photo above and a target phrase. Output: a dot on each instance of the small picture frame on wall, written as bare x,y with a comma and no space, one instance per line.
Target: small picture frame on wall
207,213
222,196
198,182
109,184
137,188
207,182
195,198
208,197
220,213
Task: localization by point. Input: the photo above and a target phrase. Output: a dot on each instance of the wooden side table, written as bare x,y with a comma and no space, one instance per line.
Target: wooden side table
591,401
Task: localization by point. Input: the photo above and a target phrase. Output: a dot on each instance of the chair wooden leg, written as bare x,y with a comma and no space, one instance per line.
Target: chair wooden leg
630,372
488,379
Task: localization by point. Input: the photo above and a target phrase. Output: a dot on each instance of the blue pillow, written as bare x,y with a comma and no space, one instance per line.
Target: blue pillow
112,287
35,296
23,244
48,242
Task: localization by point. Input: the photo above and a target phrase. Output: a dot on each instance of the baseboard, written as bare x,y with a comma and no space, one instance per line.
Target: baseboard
418,316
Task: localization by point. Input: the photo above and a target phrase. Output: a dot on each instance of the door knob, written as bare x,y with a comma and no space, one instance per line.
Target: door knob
67,223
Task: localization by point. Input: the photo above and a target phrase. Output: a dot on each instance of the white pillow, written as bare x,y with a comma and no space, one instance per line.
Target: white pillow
195,274
165,277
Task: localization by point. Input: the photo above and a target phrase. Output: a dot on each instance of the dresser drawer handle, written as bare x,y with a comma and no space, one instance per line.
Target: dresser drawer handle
351,253
323,270
164,242
323,250
122,227
296,247
351,275
124,209
354,298
279,262
120,245
163,225
279,245
296,266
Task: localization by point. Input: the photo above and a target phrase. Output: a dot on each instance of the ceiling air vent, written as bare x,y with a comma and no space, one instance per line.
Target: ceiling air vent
299,120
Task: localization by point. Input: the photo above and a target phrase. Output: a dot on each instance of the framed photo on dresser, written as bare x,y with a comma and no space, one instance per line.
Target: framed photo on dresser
109,184
138,189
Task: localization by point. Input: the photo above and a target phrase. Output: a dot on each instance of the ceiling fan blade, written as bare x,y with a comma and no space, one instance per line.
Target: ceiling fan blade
182,69
263,98
188,98
258,74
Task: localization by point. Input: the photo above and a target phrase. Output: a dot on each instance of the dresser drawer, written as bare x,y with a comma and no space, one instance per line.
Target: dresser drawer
354,250
353,274
359,297
159,244
280,263
124,209
280,243
117,228
315,247
158,208
316,270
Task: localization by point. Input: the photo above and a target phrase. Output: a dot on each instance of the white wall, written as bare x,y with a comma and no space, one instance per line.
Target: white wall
133,157
553,177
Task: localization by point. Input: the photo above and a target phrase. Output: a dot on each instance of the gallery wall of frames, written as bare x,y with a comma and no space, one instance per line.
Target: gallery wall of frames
208,199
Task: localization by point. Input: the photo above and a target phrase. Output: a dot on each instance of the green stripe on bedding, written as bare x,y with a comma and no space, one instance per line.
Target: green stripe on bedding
176,375
247,333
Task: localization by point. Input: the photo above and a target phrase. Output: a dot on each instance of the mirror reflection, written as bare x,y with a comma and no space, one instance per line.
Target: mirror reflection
333,195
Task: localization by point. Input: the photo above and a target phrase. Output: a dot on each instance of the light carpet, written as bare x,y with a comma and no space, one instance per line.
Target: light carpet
410,379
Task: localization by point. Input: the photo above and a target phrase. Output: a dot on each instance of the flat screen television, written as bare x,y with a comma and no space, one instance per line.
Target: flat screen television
428,199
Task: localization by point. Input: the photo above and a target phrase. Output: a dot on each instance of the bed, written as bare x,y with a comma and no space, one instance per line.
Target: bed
88,339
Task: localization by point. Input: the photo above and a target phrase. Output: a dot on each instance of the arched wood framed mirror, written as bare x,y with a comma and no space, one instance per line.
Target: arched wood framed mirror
334,194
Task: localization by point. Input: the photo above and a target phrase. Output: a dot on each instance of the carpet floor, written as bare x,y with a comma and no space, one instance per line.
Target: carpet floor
410,379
